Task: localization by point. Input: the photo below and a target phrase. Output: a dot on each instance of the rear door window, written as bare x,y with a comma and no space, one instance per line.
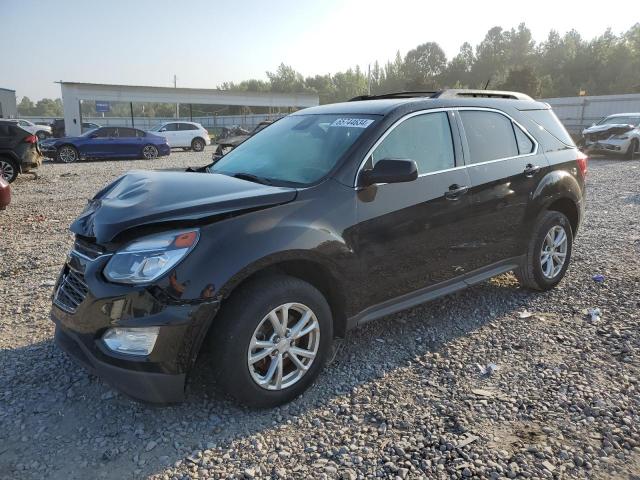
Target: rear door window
490,135
187,126
424,138
126,133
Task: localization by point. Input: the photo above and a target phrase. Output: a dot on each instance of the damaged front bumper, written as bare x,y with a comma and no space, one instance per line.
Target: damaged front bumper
85,306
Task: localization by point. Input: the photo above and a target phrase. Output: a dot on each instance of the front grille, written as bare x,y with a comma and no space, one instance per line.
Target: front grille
71,291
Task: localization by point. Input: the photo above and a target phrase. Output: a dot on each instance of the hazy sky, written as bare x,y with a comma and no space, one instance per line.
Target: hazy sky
205,43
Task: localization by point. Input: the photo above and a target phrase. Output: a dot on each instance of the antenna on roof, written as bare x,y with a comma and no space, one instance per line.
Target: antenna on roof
487,84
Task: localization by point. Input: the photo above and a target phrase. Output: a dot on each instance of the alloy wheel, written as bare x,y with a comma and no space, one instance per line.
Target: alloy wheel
149,152
283,346
554,251
68,154
7,171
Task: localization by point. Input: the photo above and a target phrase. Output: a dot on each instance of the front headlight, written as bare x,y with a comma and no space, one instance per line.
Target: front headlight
148,258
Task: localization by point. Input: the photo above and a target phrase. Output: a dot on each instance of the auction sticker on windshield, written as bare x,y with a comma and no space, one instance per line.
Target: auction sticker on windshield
352,122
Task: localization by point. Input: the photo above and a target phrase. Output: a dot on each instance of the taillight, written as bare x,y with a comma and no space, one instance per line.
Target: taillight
582,165
30,139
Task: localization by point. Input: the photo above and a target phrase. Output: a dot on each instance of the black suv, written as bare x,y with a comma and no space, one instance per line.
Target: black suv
19,150
328,218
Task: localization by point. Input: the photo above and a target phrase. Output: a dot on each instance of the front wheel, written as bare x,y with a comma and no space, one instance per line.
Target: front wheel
67,154
271,340
8,169
548,253
149,152
197,145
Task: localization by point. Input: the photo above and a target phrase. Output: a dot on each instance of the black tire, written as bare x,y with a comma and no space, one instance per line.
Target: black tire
530,274
149,152
8,169
229,340
197,144
67,154
633,150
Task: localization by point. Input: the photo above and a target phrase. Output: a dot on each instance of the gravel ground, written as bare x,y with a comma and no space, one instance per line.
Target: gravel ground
403,398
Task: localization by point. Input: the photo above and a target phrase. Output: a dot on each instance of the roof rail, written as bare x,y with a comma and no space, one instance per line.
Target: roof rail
448,93
463,92
408,94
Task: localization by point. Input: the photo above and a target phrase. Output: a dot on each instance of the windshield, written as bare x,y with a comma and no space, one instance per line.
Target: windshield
299,149
630,120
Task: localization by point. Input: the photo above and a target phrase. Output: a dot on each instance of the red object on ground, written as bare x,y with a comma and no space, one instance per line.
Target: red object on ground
5,194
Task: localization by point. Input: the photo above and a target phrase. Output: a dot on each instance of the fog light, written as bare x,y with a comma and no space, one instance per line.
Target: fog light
131,341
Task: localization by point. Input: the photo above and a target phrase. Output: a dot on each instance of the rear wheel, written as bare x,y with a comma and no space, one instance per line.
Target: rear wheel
548,252
8,169
197,144
149,152
67,154
634,149
271,340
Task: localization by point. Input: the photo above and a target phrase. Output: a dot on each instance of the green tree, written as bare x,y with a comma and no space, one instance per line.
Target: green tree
423,66
26,106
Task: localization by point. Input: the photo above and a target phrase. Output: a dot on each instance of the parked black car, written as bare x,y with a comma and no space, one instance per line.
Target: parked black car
329,218
19,150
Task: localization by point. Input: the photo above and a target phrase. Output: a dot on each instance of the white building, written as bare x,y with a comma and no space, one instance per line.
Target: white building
8,108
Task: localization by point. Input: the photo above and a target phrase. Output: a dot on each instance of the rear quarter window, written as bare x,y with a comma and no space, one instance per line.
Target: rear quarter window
548,121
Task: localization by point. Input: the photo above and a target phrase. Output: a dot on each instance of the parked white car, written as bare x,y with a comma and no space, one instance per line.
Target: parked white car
40,131
187,135
619,133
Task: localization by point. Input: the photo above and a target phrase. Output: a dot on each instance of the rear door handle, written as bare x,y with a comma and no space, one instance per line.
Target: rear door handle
455,191
531,170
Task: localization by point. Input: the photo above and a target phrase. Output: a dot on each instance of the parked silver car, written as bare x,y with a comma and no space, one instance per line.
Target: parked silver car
619,133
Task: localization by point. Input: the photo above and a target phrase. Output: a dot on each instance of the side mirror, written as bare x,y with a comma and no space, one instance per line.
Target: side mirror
162,130
390,170
93,135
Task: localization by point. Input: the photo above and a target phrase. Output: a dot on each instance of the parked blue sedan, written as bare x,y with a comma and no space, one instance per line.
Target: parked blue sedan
106,142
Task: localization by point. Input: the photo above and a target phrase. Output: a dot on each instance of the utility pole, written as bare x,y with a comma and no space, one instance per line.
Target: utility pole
175,85
369,80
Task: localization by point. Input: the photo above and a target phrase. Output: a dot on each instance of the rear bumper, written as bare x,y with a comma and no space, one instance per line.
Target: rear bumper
143,386
31,159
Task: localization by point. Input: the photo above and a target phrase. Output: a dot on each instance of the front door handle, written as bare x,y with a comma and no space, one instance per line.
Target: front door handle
455,191
530,170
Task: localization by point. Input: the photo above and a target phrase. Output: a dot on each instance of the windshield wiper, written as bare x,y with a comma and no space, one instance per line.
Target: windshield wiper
252,178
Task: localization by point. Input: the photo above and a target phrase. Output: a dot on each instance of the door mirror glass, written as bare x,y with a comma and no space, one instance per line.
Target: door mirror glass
93,135
390,170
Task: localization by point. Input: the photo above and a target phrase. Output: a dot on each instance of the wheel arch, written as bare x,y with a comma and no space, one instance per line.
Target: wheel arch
560,191
313,271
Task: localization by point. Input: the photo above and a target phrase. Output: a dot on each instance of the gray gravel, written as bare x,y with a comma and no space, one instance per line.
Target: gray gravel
404,398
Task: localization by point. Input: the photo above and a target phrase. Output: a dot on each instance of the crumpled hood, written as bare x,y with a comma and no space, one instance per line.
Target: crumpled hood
146,197
613,128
